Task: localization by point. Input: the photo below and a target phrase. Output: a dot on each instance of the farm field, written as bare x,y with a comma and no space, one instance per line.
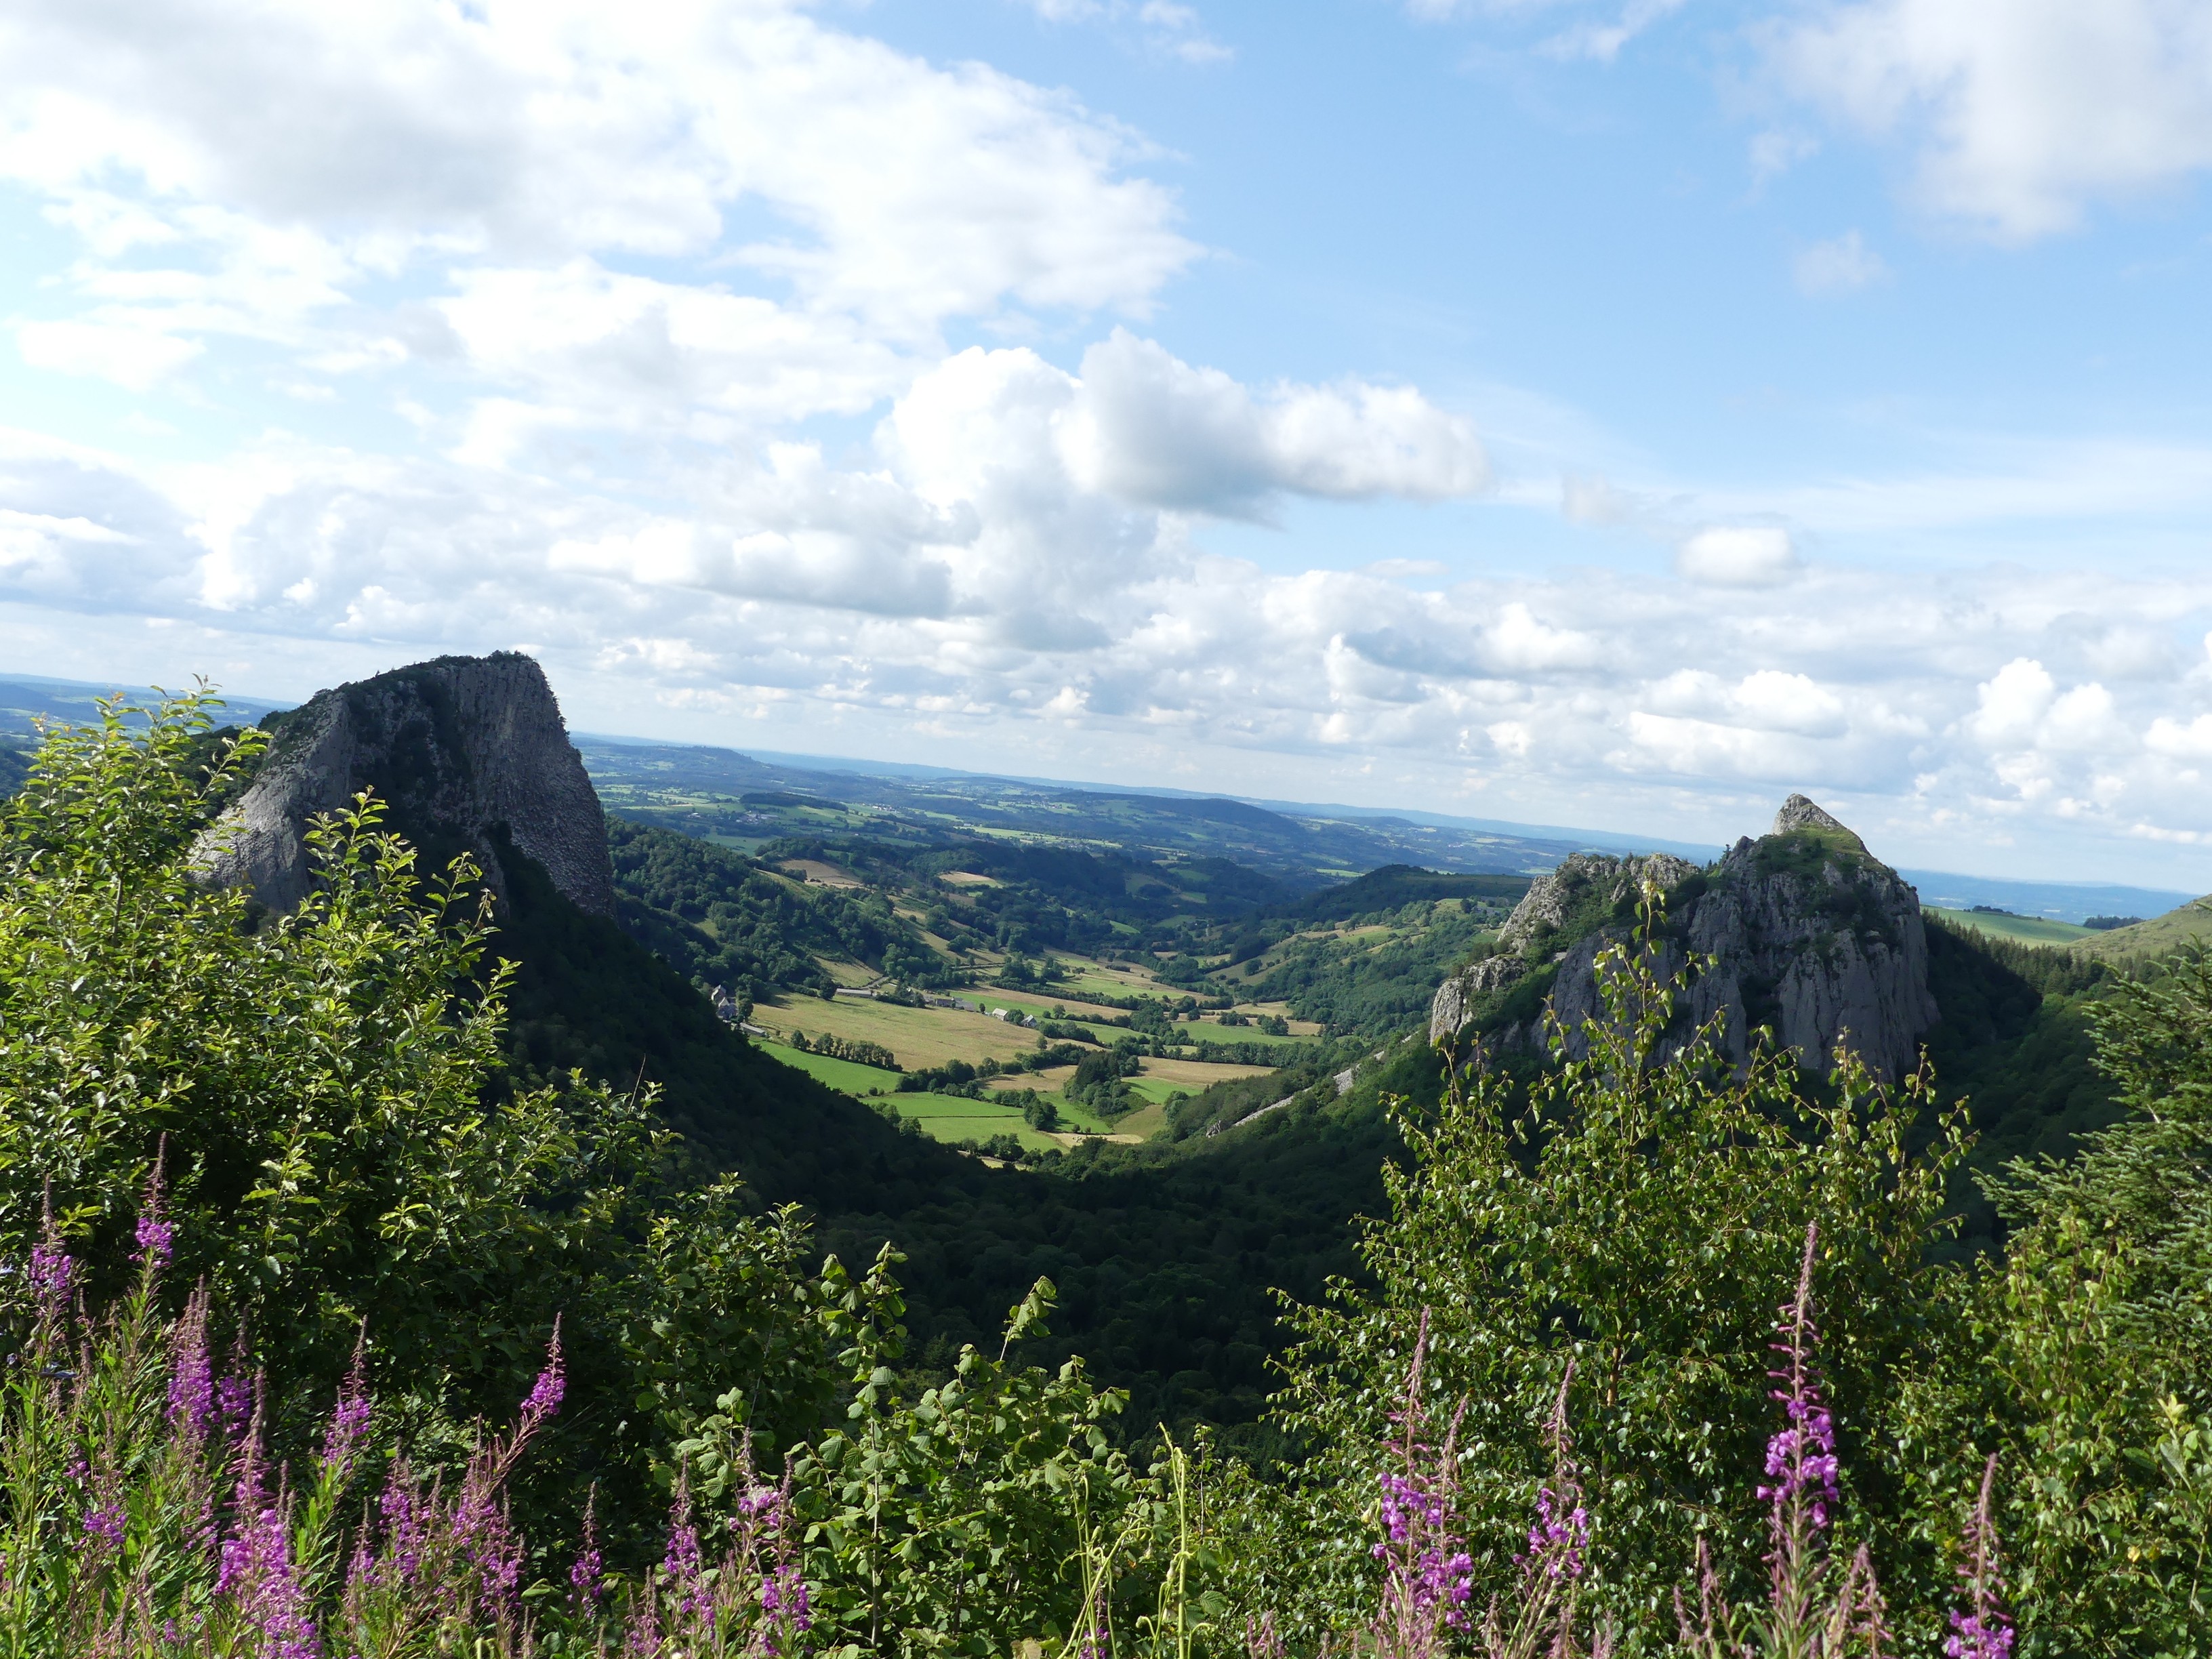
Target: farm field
1087,975
953,1119
2025,930
843,1075
1214,1031
826,875
1192,1075
918,1037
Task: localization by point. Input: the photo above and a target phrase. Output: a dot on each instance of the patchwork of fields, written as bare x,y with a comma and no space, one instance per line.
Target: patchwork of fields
921,1038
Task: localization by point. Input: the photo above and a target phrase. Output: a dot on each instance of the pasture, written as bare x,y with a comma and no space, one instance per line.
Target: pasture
2023,930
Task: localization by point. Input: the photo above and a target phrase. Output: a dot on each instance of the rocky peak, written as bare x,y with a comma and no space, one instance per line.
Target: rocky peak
1810,937
467,753
1583,887
1801,812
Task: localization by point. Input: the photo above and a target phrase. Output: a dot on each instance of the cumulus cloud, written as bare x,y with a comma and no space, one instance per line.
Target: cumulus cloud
283,160
2021,113
1151,428
1738,555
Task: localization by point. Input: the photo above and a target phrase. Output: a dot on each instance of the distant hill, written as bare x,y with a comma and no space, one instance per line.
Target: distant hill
2003,924
2184,925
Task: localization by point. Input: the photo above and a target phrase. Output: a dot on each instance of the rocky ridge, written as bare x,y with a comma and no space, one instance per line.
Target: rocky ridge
1811,935
466,752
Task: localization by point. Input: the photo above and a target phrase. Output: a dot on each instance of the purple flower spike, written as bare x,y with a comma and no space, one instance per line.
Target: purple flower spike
52,1273
350,1419
233,1403
783,1595
585,1571
547,1393
1983,1631
191,1371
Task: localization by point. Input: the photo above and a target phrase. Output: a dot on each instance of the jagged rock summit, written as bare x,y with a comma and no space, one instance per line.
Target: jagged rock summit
467,752
1812,937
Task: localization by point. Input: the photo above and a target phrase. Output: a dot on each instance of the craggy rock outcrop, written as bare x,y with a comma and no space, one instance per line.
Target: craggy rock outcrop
1812,937
465,752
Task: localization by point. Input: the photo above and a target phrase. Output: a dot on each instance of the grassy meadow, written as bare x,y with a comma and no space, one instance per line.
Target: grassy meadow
2025,930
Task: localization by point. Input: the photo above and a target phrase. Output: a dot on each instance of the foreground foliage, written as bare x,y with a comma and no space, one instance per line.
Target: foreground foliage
335,1245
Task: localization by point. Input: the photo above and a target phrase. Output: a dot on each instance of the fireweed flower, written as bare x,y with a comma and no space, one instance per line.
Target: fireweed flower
680,1563
1801,1457
156,1237
350,1419
233,1404
546,1395
406,1522
105,1523
256,1570
585,1572
1428,1576
1556,1542
783,1596
52,1273
1982,1631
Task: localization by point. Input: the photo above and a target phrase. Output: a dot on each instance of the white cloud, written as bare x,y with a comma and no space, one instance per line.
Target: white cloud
1603,41
130,354
334,144
1841,266
2022,113
1150,429
2011,705
1738,555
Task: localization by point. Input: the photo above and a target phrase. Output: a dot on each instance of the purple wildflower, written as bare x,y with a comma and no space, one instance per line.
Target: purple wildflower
1801,1458
585,1572
546,1395
156,1241
157,1237
233,1404
256,1570
1982,1631
1557,1540
52,1273
680,1563
406,1522
349,1418
1428,1578
106,1524
783,1596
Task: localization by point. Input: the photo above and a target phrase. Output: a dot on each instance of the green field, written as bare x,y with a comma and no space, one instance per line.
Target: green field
1157,1089
1210,1032
953,1119
2186,927
845,1076
2025,930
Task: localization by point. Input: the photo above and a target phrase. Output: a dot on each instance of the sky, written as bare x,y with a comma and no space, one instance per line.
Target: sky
1616,414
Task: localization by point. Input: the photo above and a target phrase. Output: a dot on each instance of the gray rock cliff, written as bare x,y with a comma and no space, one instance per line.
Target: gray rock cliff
463,751
1811,937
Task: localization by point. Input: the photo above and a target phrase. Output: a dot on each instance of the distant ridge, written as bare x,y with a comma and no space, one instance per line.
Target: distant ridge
22,695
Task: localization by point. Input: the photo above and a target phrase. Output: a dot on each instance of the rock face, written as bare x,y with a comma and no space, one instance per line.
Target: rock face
464,750
1811,937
